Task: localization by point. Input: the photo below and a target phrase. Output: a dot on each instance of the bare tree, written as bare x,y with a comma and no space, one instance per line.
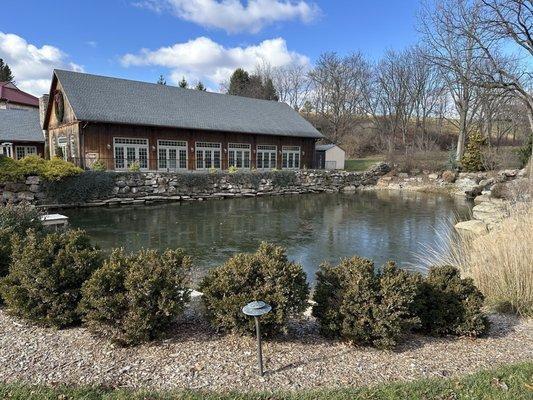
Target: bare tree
503,22
455,56
338,90
292,84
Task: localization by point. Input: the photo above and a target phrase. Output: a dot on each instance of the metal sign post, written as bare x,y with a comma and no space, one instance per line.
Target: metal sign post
256,309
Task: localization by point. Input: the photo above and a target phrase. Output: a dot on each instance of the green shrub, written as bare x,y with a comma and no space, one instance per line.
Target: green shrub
89,185
134,167
355,302
265,275
46,275
51,170
10,170
472,160
232,169
134,298
15,220
448,304
99,166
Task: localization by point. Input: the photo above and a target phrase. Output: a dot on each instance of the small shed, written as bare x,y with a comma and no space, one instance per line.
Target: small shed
329,156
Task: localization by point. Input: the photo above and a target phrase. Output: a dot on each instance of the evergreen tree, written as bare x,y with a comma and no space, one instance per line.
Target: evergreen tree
269,91
161,80
183,83
5,72
200,86
239,83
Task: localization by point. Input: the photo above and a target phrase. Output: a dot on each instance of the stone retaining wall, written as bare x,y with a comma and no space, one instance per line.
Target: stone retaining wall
149,187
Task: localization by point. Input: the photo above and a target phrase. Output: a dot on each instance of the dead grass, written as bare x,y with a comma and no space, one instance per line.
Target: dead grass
500,262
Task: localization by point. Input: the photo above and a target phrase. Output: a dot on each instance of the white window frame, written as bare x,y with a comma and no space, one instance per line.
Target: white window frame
62,144
291,157
271,152
137,145
207,159
240,154
168,163
26,151
6,149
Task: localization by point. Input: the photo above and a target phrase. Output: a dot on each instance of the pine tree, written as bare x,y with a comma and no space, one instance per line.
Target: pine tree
200,86
161,80
269,91
5,72
472,160
183,83
239,83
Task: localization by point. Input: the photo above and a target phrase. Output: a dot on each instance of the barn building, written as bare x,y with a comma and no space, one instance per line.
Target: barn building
20,133
121,122
11,97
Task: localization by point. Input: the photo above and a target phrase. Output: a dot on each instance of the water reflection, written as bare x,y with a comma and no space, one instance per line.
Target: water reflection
379,225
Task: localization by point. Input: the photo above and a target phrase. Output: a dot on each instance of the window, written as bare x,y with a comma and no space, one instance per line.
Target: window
6,149
128,151
171,155
208,155
239,155
62,144
291,157
23,151
266,157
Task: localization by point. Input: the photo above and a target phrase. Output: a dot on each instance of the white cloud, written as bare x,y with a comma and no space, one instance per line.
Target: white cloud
233,15
202,58
31,65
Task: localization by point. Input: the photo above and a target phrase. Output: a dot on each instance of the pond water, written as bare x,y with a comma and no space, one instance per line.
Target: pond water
379,225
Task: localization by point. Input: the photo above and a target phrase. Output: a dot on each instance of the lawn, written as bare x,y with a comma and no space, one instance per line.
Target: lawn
361,164
508,382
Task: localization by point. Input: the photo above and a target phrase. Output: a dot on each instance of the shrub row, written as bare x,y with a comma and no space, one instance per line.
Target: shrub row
51,170
61,279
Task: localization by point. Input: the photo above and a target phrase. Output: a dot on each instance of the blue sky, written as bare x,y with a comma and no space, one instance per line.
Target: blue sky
201,39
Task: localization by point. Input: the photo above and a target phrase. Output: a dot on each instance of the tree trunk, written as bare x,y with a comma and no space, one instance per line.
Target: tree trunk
462,136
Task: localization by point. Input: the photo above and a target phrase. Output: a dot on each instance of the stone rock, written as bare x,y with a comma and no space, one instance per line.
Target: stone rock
466,185
490,212
481,199
471,228
403,175
33,180
433,176
348,189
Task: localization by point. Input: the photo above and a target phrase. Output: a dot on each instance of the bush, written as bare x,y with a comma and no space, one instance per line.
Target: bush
448,304
357,303
15,220
99,166
265,275
46,275
472,160
89,185
134,167
134,298
51,170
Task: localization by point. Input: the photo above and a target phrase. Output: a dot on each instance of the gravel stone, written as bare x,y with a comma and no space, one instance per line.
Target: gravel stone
196,357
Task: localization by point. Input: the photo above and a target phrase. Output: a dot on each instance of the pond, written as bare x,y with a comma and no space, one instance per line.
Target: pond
380,225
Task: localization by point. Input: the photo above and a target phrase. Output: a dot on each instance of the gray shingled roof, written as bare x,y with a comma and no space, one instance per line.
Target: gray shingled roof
324,147
103,99
20,125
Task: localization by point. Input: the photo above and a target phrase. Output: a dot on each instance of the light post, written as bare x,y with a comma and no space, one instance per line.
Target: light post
256,309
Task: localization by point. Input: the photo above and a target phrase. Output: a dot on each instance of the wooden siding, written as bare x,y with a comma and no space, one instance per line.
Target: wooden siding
96,140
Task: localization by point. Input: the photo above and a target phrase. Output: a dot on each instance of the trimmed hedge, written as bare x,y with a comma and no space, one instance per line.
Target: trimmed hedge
448,304
265,275
51,170
365,306
134,298
89,185
46,275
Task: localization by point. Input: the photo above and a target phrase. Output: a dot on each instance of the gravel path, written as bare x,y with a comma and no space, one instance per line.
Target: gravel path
195,357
